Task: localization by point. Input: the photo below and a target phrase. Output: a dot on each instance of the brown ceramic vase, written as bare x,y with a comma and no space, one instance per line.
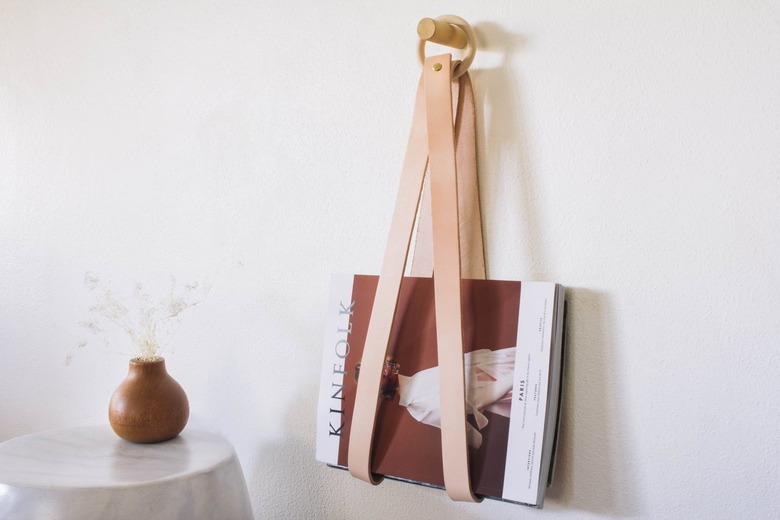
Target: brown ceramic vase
149,405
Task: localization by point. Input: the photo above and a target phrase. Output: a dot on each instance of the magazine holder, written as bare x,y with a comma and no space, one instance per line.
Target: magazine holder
441,154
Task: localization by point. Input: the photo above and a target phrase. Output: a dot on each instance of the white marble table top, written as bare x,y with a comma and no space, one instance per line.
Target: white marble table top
89,472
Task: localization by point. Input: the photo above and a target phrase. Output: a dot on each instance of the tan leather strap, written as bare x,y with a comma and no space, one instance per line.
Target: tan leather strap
447,276
433,110
472,247
386,299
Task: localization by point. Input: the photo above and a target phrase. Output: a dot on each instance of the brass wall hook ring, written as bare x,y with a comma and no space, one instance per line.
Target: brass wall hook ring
452,31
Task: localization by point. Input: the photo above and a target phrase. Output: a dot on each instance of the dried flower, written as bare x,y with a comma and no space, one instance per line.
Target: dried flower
142,316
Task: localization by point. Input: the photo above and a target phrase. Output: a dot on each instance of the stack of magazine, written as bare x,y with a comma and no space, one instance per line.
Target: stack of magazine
514,349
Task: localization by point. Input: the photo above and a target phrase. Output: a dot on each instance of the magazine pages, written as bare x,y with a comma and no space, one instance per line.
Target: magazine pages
513,354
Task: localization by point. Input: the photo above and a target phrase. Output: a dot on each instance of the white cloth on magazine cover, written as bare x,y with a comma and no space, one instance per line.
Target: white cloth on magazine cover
489,380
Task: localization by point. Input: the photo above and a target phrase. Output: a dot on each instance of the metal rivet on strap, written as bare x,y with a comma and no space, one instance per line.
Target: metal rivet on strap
437,67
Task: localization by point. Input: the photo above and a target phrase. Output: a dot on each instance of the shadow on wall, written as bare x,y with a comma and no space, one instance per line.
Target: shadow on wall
595,470
504,142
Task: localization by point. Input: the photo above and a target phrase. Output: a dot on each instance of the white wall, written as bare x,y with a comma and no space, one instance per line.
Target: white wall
627,149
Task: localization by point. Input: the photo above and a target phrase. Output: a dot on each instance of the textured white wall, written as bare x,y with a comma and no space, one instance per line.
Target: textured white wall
627,149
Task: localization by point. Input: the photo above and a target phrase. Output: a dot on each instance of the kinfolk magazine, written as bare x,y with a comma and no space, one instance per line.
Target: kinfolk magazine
513,344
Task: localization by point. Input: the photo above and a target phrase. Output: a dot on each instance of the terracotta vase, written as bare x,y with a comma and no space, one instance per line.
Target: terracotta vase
149,405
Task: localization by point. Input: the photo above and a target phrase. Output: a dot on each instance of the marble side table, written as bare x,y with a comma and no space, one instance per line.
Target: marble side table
89,473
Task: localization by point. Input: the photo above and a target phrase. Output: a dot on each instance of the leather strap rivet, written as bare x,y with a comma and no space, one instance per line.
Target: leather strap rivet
437,67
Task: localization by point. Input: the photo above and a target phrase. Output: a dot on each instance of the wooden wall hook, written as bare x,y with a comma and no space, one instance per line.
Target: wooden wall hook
441,32
452,31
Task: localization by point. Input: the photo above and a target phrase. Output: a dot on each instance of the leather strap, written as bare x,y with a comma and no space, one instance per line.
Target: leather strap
386,299
447,276
432,132
472,254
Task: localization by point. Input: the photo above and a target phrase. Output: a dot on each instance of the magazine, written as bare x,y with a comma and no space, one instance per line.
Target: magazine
513,358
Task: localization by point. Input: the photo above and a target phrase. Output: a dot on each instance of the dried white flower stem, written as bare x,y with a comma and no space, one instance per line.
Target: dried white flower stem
141,325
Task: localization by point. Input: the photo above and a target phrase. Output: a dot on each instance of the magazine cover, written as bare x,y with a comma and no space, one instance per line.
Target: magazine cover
512,393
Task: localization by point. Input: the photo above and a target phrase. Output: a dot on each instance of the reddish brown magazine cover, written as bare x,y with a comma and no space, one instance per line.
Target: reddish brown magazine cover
404,447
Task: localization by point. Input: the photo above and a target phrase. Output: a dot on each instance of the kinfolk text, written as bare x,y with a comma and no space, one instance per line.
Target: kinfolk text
341,349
